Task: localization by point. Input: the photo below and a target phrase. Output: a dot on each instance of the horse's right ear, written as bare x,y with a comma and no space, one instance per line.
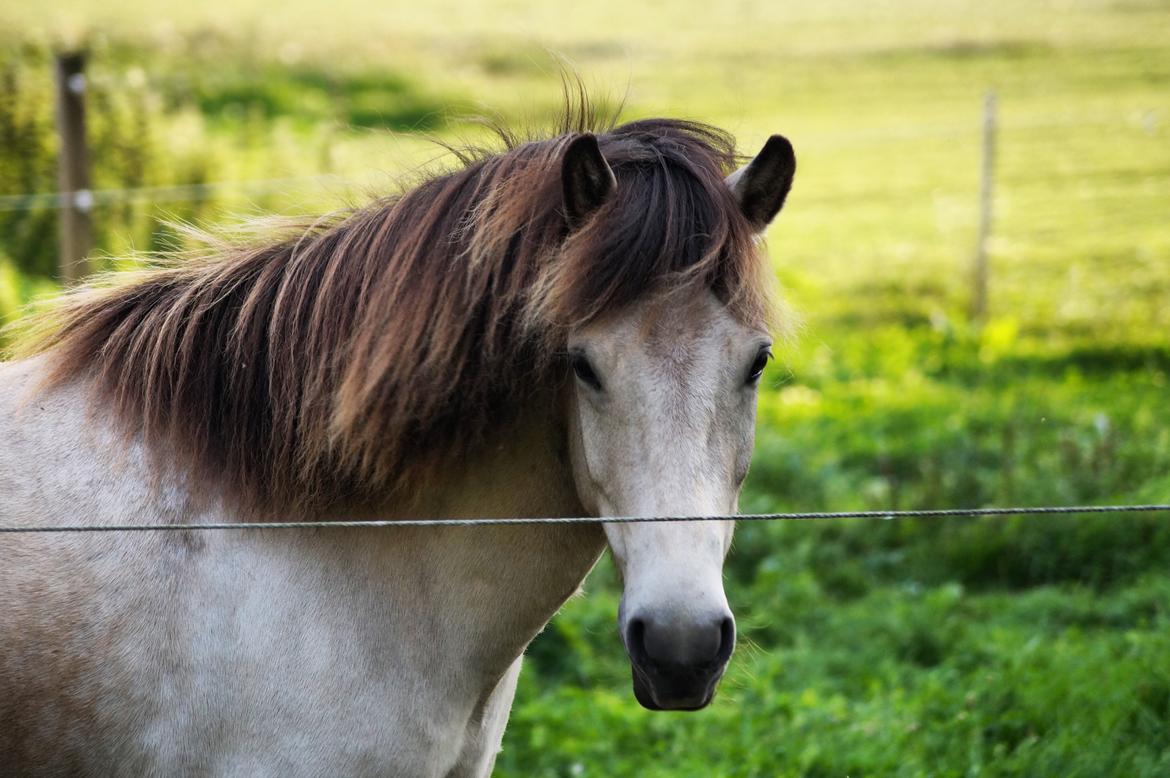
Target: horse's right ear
586,179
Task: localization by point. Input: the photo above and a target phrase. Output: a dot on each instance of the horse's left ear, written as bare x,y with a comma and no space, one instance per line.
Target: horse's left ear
761,186
586,179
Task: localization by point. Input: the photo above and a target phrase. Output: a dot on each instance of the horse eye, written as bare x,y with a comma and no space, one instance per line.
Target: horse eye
584,371
757,368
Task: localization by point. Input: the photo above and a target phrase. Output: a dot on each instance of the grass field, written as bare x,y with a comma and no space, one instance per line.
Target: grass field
969,647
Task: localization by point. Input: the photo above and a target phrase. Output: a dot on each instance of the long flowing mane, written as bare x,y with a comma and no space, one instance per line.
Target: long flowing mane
330,365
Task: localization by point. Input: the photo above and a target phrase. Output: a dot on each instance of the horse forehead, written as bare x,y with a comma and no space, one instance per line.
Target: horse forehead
682,336
670,358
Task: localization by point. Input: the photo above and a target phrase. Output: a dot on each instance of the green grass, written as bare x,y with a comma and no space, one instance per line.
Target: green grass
920,648
907,679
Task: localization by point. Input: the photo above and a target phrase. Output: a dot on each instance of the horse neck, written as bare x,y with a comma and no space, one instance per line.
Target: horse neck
521,469
504,582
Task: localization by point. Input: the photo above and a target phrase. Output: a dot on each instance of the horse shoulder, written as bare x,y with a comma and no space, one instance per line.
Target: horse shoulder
64,606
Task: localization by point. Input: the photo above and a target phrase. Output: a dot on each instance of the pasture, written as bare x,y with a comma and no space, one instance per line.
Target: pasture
913,648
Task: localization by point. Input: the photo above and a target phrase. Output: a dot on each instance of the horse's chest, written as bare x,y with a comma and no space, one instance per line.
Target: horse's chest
325,672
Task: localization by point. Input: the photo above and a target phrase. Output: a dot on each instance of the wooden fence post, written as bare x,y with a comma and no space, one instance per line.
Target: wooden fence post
986,197
75,231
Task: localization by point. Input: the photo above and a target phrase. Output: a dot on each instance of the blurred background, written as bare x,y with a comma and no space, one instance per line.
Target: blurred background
1031,139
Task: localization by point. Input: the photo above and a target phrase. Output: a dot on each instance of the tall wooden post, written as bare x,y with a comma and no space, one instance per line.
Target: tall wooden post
986,197
73,182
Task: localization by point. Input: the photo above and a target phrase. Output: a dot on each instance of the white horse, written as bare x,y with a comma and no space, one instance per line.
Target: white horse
571,326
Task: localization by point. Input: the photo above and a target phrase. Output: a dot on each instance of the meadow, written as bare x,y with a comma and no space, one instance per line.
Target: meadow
990,647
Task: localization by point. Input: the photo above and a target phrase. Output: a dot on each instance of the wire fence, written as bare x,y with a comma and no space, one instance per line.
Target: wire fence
936,513
87,199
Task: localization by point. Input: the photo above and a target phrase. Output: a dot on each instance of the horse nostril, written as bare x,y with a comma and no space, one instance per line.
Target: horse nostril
636,640
726,639
687,644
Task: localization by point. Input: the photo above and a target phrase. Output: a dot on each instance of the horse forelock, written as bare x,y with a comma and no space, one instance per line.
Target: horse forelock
336,364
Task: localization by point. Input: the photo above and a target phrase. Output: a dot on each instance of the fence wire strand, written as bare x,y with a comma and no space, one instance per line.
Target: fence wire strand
936,513
87,199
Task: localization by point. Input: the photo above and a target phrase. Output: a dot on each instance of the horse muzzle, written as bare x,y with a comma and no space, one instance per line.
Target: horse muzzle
677,666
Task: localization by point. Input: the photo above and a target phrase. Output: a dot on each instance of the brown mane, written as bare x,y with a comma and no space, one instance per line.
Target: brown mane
329,366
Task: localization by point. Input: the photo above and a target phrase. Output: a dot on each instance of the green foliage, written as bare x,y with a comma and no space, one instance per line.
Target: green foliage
17,290
996,647
205,112
906,680
311,96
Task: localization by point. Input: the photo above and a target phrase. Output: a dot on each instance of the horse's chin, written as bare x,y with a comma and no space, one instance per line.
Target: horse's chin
669,695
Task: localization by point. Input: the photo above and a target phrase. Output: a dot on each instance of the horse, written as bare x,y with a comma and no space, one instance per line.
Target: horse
572,324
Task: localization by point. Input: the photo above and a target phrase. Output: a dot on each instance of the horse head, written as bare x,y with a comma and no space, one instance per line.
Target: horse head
661,424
